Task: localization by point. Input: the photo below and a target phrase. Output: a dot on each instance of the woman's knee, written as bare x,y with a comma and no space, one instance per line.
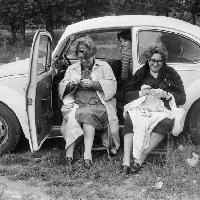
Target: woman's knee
88,128
128,136
164,127
128,125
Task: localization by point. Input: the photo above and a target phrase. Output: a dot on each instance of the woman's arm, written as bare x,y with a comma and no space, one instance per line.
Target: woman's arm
68,83
96,86
173,84
107,81
133,87
69,88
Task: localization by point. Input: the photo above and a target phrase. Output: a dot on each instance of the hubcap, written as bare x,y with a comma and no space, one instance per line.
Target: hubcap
3,131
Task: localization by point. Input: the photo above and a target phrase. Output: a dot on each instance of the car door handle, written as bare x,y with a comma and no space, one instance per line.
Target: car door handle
48,85
44,102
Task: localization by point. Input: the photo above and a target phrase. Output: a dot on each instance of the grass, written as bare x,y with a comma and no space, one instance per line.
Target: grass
104,180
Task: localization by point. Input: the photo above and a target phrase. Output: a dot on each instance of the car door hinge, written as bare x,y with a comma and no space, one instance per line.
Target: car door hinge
29,101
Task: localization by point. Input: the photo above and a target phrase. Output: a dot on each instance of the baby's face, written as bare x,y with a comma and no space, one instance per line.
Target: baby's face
151,97
156,93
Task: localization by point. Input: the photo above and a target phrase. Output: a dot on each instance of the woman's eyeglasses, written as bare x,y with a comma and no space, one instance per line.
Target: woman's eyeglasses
153,61
80,51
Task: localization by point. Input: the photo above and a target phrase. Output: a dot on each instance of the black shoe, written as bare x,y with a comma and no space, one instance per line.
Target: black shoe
126,170
87,163
68,161
65,160
136,167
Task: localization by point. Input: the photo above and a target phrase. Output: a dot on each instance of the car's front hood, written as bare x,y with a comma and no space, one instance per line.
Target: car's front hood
15,68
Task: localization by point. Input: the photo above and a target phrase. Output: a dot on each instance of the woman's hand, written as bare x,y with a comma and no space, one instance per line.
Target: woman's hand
163,93
86,83
72,85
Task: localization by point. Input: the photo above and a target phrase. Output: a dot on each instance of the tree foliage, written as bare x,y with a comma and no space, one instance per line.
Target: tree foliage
14,13
156,7
51,14
94,8
193,7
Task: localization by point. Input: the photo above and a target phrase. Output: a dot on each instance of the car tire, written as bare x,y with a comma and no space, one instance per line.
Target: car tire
193,125
10,129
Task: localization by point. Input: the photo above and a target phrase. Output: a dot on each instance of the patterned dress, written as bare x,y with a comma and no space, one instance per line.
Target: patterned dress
91,110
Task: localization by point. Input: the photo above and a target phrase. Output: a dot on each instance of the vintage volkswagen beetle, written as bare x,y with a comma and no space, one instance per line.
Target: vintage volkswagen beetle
29,102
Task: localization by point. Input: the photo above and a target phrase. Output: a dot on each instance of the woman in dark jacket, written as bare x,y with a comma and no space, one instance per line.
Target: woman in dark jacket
156,74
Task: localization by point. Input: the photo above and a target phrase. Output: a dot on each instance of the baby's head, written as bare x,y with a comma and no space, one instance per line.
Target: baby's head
156,93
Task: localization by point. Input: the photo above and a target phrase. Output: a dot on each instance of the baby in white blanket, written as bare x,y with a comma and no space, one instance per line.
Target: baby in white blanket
145,113
147,104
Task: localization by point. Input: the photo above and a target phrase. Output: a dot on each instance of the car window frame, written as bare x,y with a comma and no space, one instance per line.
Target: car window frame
167,30
48,57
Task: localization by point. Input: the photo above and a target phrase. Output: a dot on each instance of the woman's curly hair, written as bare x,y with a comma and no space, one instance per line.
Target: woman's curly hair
88,45
160,49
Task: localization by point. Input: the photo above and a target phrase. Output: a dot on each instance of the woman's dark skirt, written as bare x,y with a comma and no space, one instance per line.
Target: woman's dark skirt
163,127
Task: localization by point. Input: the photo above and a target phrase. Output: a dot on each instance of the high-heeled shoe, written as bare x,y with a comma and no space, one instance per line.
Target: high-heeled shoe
136,166
126,170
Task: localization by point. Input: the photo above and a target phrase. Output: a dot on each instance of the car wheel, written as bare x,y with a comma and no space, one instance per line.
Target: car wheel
194,122
10,129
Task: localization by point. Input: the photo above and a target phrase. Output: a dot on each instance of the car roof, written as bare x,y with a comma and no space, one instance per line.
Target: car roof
129,21
132,20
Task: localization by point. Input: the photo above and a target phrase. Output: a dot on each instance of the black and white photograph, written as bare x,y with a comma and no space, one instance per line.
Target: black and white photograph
100,99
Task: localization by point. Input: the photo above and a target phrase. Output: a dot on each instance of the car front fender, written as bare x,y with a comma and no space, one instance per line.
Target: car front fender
192,95
17,103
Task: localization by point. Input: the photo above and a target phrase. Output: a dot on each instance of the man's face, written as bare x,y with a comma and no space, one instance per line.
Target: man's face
125,44
83,56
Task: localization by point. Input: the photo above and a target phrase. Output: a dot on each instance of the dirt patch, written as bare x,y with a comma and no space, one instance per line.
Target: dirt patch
20,190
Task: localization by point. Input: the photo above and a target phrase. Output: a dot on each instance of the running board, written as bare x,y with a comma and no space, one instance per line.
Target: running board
55,132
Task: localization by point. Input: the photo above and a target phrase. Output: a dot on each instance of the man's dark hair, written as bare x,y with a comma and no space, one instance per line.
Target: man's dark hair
125,34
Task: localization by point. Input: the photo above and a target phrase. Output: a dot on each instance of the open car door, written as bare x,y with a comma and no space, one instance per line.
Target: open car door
39,90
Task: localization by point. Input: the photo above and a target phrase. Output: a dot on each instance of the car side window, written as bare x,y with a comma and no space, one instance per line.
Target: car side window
106,43
44,55
180,49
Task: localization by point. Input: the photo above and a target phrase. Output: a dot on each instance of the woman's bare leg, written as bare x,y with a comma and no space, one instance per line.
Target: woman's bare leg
155,139
89,132
70,150
128,146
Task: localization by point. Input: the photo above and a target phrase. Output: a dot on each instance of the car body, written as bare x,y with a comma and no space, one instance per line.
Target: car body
29,101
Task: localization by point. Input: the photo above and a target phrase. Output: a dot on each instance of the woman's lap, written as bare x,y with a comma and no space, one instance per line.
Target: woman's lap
163,127
94,115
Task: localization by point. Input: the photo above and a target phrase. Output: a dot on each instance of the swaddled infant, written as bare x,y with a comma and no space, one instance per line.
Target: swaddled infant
152,102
